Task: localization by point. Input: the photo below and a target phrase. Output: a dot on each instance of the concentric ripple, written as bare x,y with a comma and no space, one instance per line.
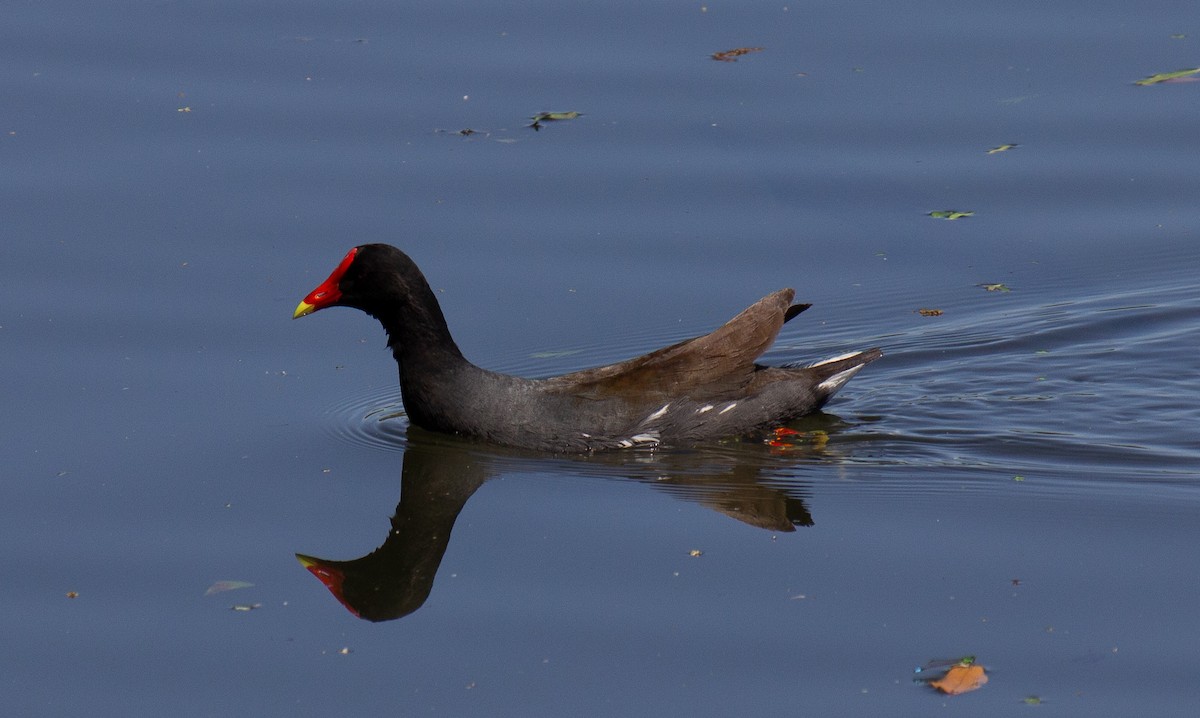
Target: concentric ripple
372,417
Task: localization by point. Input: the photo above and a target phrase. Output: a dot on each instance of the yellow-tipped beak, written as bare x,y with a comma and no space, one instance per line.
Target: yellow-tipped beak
303,310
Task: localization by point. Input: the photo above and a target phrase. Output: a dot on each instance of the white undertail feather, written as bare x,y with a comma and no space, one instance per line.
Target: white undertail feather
835,382
839,357
831,385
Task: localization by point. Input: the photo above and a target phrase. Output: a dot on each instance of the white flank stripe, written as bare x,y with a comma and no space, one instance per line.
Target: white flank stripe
658,414
733,404
651,437
706,407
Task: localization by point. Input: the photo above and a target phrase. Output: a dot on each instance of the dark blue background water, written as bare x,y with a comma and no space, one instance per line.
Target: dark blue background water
1016,480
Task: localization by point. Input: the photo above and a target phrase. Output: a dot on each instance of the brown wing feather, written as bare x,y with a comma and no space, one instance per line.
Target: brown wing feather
726,357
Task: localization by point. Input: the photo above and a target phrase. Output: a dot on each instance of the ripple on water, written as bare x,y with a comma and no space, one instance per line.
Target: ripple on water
372,417
1095,386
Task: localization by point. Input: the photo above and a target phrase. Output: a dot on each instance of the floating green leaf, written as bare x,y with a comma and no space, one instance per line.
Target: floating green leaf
950,214
1002,148
541,117
1177,76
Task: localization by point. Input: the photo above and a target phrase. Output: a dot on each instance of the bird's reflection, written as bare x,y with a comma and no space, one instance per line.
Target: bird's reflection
440,474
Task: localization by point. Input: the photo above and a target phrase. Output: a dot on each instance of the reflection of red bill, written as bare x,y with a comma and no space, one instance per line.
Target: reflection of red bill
331,576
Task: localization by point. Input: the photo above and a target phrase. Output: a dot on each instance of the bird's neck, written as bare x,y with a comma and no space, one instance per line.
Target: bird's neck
418,334
433,370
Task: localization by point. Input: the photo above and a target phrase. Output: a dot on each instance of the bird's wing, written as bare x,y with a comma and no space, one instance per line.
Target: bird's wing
723,357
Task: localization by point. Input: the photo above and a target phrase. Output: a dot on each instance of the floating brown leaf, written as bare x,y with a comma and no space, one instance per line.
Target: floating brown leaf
958,675
961,678
733,55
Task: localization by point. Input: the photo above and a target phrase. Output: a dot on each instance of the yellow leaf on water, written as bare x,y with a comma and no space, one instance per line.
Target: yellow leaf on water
1176,76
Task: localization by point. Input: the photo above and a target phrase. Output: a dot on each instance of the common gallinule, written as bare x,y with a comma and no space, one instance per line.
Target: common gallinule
700,389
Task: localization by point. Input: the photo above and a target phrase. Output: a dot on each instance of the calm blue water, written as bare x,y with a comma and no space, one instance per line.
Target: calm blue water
1018,478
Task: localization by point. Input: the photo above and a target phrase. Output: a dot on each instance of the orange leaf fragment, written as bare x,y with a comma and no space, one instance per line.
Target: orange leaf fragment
733,55
962,678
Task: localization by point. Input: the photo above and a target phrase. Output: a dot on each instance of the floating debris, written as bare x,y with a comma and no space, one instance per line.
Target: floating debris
1003,148
695,553
930,312
950,214
961,675
733,55
1176,76
995,287
222,586
541,117
465,132
245,606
